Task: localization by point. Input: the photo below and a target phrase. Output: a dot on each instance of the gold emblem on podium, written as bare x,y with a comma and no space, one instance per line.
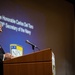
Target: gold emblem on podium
16,50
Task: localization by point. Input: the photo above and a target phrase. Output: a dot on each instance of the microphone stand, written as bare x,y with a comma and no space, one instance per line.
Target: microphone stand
33,47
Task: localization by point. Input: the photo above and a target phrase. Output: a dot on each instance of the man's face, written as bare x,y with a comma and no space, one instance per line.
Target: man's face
0,28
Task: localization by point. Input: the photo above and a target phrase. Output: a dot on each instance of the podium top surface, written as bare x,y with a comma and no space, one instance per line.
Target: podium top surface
39,56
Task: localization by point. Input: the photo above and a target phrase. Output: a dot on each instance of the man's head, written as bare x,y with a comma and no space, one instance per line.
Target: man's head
0,27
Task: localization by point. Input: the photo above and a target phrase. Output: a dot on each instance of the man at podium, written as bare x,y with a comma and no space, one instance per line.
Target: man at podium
4,55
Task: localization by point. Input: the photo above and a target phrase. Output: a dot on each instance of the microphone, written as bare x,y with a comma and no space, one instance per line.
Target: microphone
27,41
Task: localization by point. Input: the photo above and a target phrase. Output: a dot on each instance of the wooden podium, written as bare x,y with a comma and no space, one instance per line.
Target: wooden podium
38,63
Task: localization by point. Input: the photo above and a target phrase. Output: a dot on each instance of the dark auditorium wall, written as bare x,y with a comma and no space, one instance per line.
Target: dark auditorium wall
59,30
74,41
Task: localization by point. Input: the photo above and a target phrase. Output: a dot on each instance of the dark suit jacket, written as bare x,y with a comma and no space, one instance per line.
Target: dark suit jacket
1,58
1,53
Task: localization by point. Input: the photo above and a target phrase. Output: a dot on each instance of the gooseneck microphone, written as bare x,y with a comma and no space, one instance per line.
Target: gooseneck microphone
33,46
